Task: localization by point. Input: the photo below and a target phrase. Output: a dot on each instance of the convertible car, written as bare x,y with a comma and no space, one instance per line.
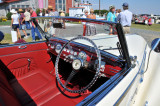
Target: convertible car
71,69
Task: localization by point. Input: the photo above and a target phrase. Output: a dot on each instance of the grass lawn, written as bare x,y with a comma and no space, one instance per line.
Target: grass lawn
154,27
8,40
6,23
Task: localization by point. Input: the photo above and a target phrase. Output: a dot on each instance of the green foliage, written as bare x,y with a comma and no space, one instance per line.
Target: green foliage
101,11
37,11
9,16
0,20
67,14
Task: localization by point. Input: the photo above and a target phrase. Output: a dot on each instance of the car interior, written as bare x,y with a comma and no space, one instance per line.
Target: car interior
38,73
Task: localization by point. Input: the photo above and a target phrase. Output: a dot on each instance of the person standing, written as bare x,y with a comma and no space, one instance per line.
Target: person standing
111,17
117,12
63,20
46,13
34,28
22,22
50,11
15,24
84,23
27,19
125,18
40,12
56,13
91,28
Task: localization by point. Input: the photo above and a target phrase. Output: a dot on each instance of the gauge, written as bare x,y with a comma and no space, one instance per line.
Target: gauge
64,49
72,52
52,46
68,50
58,48
75,53
82,55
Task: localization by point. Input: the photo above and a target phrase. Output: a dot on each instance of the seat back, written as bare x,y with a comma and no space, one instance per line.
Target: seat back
7,96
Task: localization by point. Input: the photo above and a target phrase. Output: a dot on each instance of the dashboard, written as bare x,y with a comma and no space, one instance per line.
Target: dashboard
109,65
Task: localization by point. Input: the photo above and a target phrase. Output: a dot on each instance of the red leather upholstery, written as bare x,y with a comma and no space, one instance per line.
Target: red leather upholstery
34,86
7,97
41,86
18,63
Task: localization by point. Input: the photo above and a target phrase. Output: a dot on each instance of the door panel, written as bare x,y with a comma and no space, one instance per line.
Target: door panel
21,61
22,48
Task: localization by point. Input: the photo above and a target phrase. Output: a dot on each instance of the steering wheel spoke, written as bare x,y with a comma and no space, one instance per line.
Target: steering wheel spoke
74,72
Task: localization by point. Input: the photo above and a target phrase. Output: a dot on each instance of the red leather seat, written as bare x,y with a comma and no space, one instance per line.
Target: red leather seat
7,97
41,87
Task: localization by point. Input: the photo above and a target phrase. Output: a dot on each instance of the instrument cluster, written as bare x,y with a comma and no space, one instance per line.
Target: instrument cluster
68,53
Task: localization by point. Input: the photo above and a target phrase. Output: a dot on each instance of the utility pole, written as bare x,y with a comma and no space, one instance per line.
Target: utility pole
99,7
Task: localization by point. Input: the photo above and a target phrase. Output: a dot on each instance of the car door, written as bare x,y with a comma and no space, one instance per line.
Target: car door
23,58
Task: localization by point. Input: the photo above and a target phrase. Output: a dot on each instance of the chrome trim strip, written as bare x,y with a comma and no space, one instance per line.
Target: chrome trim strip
142,64
19,44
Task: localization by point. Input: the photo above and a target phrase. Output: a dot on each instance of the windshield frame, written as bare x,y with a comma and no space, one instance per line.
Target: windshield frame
118,26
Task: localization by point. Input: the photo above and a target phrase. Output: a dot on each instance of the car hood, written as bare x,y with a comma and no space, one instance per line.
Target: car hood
136,44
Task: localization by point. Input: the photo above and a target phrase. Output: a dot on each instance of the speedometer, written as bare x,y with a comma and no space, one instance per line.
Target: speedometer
82,55
58,48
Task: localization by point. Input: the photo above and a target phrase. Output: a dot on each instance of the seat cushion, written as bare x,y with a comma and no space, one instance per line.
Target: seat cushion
41,87
37,83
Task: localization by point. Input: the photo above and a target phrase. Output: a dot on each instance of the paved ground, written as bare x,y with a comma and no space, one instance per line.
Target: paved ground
146,34
77,30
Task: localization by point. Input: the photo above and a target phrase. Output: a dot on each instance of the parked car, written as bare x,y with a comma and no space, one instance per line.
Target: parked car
141,20
84,71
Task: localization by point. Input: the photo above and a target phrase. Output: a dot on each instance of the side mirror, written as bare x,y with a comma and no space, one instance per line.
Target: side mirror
155,45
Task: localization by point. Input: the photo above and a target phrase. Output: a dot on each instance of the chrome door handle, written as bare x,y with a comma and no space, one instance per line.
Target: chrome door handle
22,47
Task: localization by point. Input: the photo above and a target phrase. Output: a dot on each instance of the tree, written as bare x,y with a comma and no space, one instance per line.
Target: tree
101,11
9,16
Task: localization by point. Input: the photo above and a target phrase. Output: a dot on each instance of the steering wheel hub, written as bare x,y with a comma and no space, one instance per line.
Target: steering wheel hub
77,64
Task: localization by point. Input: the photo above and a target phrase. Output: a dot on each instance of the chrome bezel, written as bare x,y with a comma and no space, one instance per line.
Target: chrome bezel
84,55
58,48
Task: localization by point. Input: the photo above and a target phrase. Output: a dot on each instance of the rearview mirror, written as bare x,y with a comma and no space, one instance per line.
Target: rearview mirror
155,45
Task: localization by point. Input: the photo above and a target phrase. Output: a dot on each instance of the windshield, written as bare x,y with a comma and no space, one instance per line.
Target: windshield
103,33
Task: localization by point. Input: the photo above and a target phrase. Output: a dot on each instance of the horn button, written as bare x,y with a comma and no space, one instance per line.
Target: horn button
77,64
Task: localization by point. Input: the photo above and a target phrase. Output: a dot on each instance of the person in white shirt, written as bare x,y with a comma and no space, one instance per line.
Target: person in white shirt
40,12
84,23
15,23
125,18
27,19
46,13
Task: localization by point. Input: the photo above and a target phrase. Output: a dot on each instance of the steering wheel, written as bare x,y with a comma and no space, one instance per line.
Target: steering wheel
78,64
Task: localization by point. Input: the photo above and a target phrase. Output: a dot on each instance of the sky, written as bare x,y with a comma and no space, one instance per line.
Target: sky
135,6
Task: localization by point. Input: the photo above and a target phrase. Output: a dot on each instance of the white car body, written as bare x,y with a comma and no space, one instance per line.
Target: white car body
138,88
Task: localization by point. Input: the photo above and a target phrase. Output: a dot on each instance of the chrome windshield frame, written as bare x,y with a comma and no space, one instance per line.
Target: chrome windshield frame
120,32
